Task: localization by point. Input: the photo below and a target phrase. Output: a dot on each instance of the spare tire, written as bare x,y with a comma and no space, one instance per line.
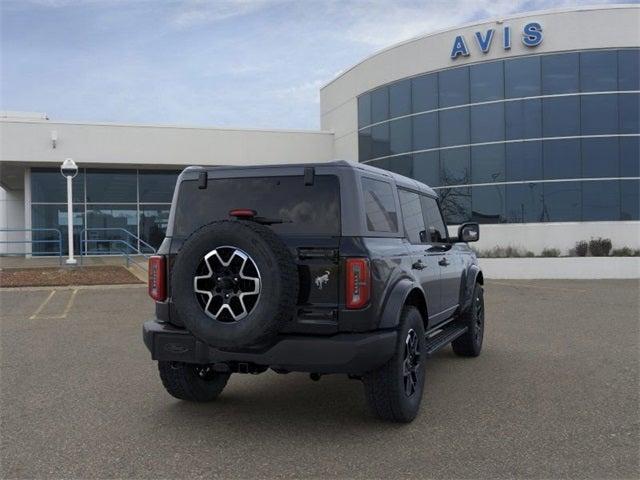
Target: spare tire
234,283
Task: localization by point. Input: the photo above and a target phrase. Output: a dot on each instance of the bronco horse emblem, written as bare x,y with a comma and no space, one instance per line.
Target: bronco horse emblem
322,280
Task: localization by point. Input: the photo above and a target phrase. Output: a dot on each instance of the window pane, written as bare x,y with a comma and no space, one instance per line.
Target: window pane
560,73
524,203
380,140
522,77
364,110
153,224
488,204
454,166
54,217
412,216
400,98
157,186
425,131
424,92
523,161
630,198
600,201
599,71
454,127
487,164
599,114
365,145
400,132
112,186
487,81
433,219
487,123
49,186
379,104
629,69
630,156
456,204
453,87
562,201
523,119
561,159
380,208
426,168
116,219
629,113
600,157
561,116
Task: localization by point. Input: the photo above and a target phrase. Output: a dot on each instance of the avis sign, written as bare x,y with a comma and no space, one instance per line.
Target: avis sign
531,37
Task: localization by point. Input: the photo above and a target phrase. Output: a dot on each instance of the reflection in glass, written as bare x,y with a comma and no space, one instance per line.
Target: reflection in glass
364,110
600,157
117,219
365,145
380,140
600,200
629,113
629,69
487,164
49,186
487,123
425,131
400,135
424,93
522,77
55,216
412,218
455,204
524,203
562,201
561,116
157,186
400,98
599,114
426,168
560,73
598,71
488,204
523,161
379,104
487,81
523,119
630,200
153,223
112,186
453,87
454,164
561,159
454,127
630,156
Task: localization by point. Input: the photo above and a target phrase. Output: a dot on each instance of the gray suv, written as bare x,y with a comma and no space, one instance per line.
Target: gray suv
321,268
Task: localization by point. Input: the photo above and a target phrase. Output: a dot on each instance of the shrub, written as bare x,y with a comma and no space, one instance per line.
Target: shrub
581,248
550,252
600,247
625,252
505,252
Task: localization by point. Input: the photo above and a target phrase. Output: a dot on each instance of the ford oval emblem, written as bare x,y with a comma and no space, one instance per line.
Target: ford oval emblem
177,348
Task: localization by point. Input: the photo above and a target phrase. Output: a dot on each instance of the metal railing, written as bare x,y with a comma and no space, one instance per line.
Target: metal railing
31,241
129,247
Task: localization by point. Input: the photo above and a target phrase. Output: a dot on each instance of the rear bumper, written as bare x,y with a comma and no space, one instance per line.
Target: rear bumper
353,353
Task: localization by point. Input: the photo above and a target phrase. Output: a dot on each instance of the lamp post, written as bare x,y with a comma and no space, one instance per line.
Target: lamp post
69,169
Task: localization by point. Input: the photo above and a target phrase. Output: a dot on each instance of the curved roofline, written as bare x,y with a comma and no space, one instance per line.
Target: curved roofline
612,6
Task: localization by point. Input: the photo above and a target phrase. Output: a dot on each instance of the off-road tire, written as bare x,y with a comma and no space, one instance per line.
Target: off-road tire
470,343
183,381
385,386
279,284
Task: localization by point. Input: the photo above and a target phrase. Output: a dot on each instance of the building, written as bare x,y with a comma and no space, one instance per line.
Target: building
527,124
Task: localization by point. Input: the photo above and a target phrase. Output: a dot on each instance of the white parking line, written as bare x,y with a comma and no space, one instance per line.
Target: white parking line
42,305
64,313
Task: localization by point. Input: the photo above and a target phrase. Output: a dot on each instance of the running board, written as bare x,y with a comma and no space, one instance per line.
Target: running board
443,338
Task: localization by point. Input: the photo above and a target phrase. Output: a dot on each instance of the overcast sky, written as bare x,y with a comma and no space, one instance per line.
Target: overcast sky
244,63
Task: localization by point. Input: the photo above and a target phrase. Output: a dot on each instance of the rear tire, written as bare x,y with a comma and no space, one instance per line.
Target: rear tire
192,382
470,344
394,391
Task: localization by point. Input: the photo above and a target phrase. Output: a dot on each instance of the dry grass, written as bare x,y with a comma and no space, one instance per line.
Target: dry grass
58,276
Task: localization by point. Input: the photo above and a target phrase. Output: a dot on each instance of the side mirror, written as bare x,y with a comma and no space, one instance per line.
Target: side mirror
469,232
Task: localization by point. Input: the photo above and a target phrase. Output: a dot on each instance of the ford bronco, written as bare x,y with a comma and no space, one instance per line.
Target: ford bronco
322,268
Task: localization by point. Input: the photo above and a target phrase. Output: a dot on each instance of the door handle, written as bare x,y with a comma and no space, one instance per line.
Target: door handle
444,262
418,265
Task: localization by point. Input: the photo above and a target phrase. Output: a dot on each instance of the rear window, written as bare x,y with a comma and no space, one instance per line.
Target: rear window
304,209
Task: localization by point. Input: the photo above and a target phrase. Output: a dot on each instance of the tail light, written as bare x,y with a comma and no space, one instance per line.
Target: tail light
358,282
157,278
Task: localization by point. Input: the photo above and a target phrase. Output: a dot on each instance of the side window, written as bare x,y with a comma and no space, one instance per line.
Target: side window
380,207
433,218
412,216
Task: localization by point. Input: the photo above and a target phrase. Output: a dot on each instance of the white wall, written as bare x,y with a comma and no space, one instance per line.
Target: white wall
29,141
596,268
538,236
576,29
11,217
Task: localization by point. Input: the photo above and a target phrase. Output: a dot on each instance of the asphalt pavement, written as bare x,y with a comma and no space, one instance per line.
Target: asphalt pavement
553,395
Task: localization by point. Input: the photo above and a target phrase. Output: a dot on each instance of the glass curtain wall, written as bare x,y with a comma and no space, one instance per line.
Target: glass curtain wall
116,206
545,138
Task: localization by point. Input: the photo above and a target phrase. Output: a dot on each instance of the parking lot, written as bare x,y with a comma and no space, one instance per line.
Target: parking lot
553,395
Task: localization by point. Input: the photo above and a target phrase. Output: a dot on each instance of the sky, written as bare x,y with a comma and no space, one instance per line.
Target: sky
227,63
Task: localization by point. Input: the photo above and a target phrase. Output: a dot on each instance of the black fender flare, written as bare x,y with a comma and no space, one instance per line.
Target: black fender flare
396,299
469,279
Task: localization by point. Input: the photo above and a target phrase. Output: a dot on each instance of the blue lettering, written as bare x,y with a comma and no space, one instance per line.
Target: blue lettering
459,48
485,43
506,38
532,35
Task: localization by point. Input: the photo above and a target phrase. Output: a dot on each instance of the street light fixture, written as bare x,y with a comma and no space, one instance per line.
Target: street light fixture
69,169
